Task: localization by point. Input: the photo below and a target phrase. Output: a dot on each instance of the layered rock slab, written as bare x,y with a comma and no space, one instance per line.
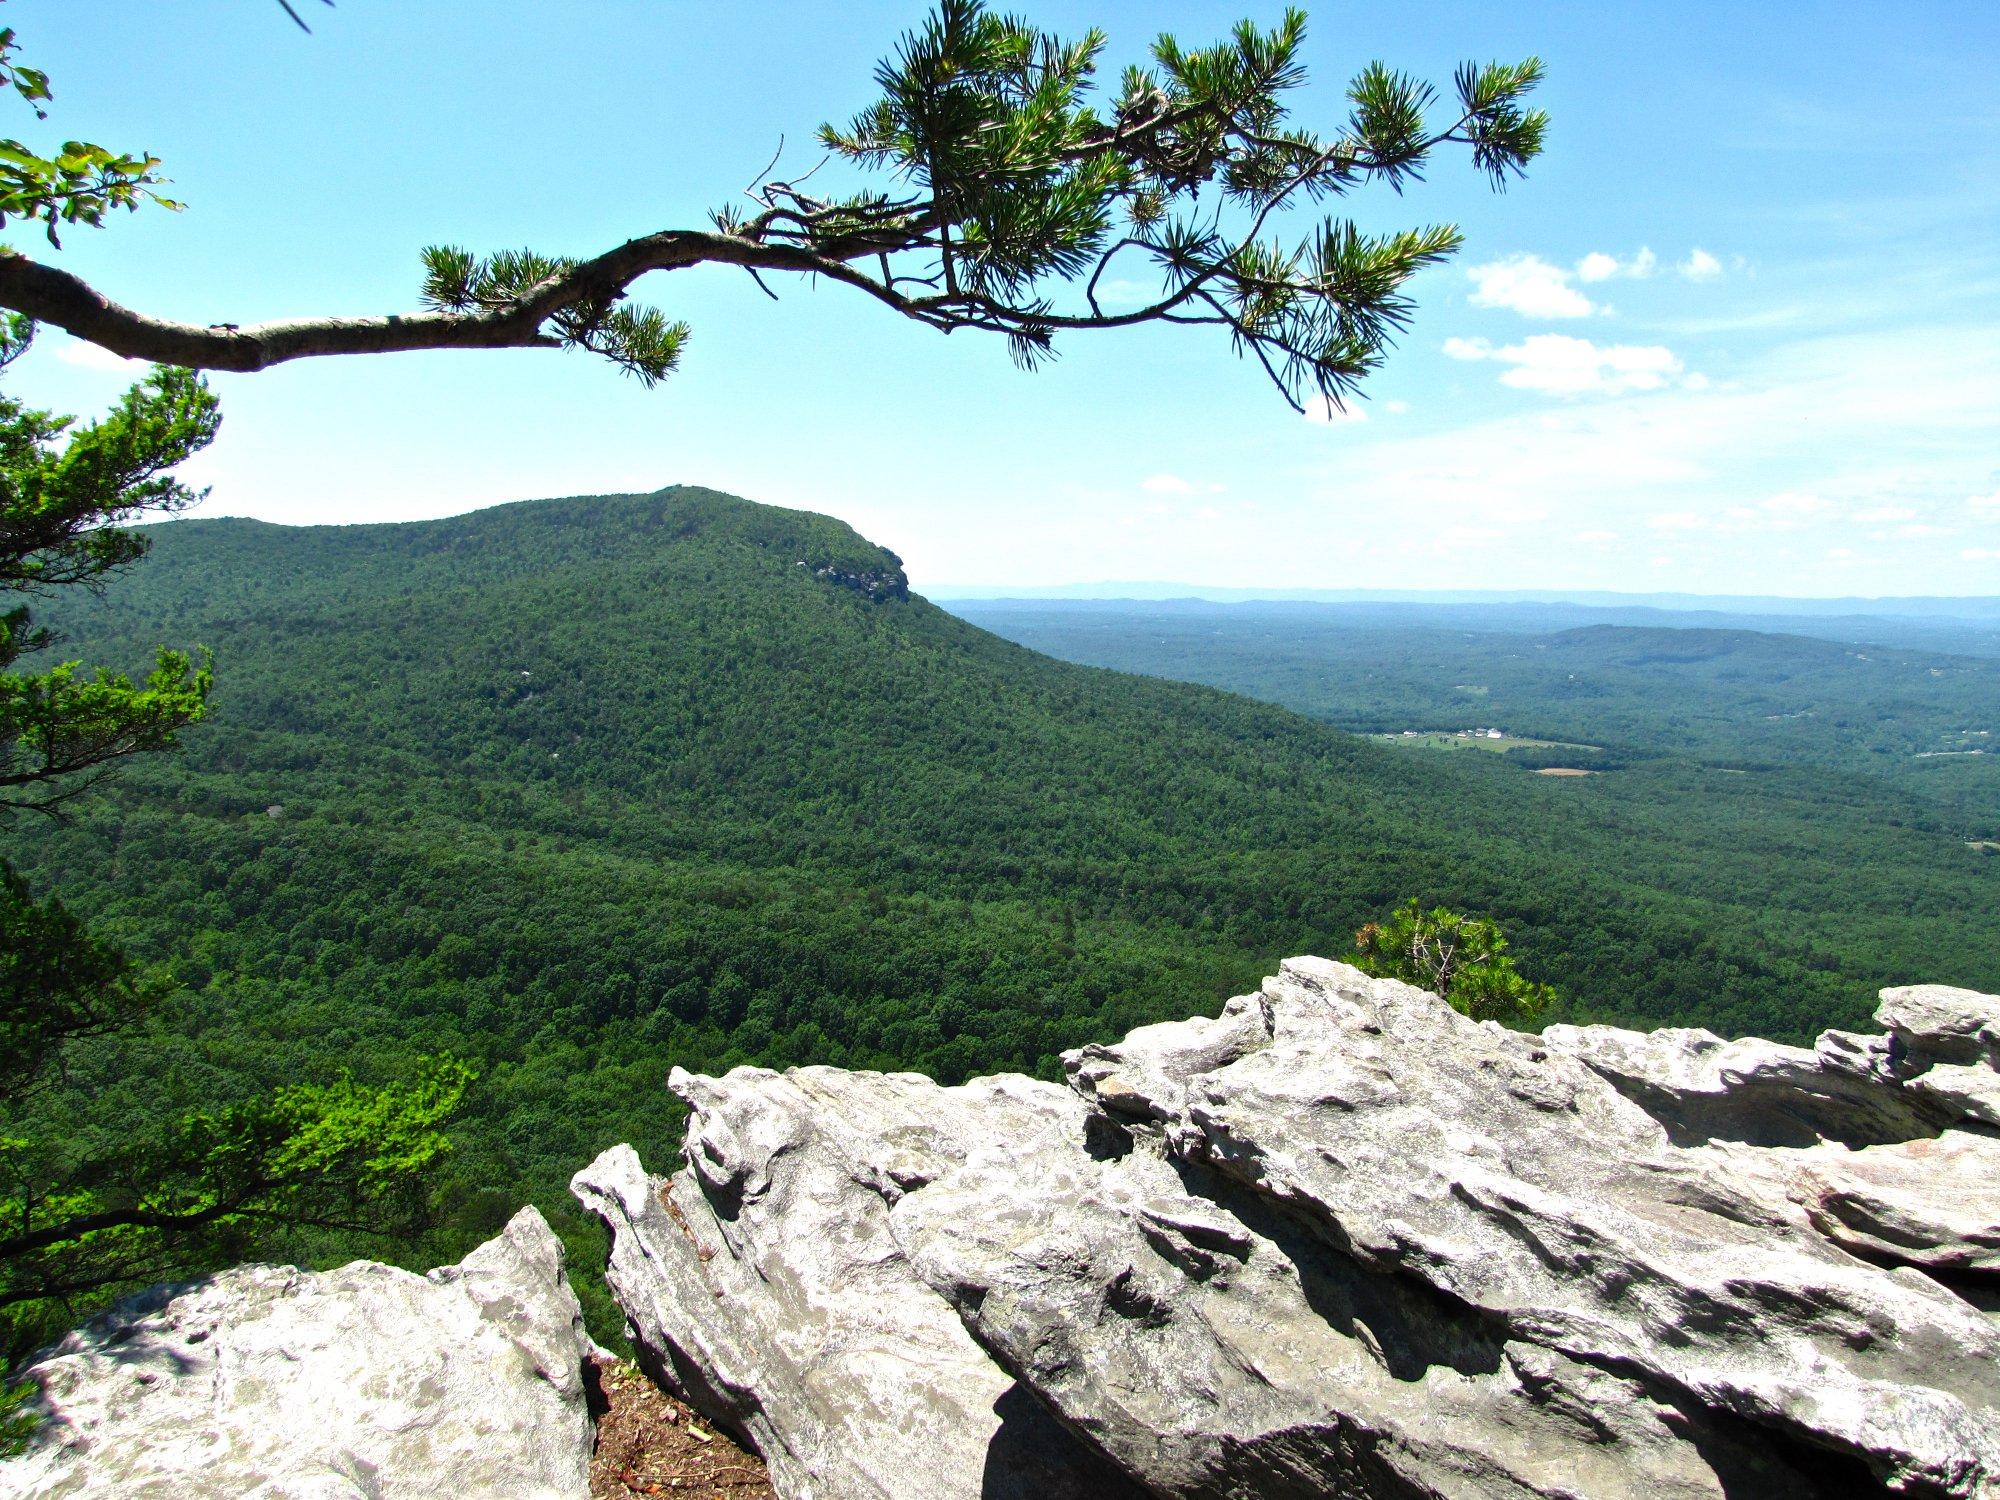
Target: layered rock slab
1336,1241
367,1381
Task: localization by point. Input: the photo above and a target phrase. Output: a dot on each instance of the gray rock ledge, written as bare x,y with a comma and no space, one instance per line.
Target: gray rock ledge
1341,1241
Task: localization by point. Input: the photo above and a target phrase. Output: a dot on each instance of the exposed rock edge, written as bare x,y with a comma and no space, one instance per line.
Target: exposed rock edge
361,1381
1340,1240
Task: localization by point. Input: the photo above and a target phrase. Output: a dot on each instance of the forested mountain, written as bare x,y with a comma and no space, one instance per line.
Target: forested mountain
582,789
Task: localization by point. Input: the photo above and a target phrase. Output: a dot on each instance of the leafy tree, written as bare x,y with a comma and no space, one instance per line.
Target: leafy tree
81,182
61,509
1003,189
76,1220
1462,958
335,1156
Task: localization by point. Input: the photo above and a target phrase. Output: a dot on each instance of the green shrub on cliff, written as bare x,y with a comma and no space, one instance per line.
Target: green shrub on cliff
1462,958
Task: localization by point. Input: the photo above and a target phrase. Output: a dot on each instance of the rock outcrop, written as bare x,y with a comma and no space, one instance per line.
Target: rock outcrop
1342,1241
362,1381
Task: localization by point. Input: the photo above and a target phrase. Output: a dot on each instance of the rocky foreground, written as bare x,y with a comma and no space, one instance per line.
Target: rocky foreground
1337,1241
1343,1241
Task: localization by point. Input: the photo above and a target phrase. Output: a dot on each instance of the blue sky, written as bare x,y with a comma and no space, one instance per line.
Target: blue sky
1739,331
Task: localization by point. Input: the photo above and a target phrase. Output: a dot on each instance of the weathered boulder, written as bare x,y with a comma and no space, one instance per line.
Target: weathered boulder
1339,1241
363,1381
1934,1023
1700,1087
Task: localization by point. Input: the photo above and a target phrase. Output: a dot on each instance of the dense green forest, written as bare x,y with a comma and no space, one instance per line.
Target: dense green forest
580,790
1656,698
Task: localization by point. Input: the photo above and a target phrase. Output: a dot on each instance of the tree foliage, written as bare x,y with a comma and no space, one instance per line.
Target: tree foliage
80,183
66,494
1464,959
993,185
333,1155
78,1218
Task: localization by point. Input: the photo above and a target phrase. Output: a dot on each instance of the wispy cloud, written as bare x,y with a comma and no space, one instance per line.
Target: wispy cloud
1120,292
1559,365
87,356
1794,448
1536,288
1166,484
1796,505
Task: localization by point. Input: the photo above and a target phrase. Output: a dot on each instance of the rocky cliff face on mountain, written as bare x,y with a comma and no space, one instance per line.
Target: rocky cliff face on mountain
1342,1241
1336,1241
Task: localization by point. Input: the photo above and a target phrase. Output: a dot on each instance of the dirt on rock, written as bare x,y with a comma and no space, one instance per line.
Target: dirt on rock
650,1444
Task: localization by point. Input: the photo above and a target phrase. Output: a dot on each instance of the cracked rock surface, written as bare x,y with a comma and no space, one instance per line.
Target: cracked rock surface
1342,1241
363,1381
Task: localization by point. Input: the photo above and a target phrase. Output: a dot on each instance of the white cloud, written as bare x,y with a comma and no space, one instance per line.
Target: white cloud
1677,520
1530,286
1559,365
1700,265
87,356
1321,409
1919,529
1980,554
1166,484
1882,513
1840,554
1985,505
1597,266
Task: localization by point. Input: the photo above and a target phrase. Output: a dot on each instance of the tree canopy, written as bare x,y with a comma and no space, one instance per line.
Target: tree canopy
994,186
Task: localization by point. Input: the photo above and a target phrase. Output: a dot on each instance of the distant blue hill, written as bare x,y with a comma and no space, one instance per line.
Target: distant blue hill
1967,627
1973,607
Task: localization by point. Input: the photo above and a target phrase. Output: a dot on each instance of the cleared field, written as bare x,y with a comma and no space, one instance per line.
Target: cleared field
1466,739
